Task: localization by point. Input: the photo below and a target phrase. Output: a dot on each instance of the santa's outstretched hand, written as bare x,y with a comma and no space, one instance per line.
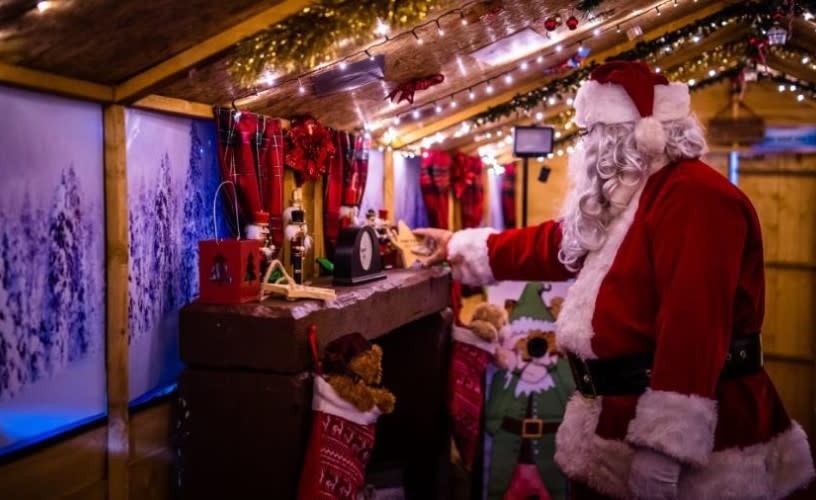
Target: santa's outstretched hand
439,239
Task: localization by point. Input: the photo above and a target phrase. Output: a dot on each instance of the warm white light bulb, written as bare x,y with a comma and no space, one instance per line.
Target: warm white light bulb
540,59
524,66
596,32
781,88
471,95
508,78
44,5
712,72
489,88
539,116
559,48
800,97
415,113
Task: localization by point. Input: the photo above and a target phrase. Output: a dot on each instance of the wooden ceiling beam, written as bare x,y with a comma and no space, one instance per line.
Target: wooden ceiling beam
141,84
48,82
175,106
468,112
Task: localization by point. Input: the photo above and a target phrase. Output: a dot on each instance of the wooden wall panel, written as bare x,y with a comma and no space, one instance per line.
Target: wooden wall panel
794,382
790,296
68,467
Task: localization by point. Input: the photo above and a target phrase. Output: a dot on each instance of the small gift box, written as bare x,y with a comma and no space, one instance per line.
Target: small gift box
229,270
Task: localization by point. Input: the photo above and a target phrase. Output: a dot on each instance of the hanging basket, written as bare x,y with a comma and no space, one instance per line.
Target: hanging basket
742,130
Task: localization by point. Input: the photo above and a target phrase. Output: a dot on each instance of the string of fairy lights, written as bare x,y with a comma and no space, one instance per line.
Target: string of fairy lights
713,62
487,86
440,27
567,142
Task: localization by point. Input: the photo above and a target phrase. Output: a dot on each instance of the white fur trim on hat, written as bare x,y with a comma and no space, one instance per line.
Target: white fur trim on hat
467,252
609,103
681,426
326,400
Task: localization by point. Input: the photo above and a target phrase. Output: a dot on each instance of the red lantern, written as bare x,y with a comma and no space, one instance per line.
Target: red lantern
572,23
229,271
550,24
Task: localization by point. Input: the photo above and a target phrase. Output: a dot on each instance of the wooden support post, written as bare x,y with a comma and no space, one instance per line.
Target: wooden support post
116,254
388,183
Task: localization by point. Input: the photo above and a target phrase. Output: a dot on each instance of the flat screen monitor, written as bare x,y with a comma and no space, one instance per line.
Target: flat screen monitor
532,141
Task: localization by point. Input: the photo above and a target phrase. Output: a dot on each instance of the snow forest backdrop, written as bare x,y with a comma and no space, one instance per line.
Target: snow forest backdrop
52,261
172,177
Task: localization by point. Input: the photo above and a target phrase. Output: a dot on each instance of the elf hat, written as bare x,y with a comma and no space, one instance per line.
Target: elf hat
628,91
530,313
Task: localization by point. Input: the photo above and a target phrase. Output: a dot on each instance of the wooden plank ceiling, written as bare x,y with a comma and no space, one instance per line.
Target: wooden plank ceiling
120,43
107,41
450,55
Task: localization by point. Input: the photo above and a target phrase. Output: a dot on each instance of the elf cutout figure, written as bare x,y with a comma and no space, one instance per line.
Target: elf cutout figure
527,401
662,324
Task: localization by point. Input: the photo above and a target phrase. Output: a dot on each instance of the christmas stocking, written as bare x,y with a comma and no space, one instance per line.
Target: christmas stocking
469,358
339,447
347,402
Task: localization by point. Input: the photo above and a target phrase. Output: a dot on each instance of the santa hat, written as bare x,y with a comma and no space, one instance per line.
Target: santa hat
339,352
628,91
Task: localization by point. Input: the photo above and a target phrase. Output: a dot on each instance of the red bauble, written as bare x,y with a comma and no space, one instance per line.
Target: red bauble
572,22
550,24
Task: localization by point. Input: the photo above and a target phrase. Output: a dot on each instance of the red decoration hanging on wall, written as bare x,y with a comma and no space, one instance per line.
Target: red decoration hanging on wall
310,147
572,23
551,24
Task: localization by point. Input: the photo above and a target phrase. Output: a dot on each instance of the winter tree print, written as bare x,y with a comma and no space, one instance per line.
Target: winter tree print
49,298
52,263
172,177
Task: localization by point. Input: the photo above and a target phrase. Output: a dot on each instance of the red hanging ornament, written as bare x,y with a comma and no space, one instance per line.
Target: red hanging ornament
550,24
405,90
310,147
572,23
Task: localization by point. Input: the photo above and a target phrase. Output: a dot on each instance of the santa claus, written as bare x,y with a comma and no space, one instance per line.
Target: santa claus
662,322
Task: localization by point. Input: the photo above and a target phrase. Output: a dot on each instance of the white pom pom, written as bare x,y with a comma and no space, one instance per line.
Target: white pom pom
650,136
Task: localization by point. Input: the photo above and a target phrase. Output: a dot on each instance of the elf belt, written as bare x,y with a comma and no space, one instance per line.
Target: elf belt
529,428
631,374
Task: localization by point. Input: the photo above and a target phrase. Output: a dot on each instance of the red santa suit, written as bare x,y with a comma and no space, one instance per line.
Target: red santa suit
680,273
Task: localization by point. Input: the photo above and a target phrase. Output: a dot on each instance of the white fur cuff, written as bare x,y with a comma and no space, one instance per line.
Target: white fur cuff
676,424
326,400
466,336
470,262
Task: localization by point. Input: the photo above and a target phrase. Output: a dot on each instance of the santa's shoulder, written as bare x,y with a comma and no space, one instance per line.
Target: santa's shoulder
695,187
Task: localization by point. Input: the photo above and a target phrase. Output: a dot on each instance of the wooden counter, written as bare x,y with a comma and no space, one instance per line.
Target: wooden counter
245,397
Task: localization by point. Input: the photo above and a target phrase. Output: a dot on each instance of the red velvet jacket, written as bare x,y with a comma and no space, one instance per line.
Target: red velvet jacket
681,272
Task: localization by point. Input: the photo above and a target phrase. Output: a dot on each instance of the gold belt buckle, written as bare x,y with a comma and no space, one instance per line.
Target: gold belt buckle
535,423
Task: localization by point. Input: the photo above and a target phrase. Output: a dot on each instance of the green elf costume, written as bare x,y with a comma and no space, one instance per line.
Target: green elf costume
527,401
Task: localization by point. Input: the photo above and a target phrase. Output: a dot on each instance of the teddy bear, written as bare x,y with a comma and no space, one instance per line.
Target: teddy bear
357,376
488,322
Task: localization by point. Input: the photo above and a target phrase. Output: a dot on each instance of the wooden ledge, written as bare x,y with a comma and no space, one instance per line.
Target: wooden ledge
271,335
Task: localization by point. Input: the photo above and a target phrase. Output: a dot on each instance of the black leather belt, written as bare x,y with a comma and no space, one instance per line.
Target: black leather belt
631,374
529,428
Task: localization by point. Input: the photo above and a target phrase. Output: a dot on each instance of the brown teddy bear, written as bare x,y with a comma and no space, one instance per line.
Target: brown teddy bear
353,368
488,321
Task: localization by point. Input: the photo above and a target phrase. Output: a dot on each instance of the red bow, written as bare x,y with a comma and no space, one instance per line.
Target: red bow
310,148
466,170
406,89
